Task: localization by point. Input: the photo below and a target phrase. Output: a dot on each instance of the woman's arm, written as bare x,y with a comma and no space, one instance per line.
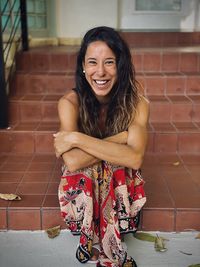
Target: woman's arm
76,158
129,155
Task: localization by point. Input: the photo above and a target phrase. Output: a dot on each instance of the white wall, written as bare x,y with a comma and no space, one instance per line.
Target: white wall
75,17
186,20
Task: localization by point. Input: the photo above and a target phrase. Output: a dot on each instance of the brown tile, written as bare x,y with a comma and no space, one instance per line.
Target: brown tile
24,219
152,62
5,141
26,126
33,97
23,61
137,61
60,84
56,176
41,166
51,201
187,220
52,189
40,62
14,167
179,99
188,62
182,112
154,85
170,62
3,219
185,127
163,127
32,188
30,111
196,113
51,218
12,176
48,126
37,176
50,112
175,85
8,188
191,159
193,84
19,158
37,83
44,158
187,200
22,142
189,143
152,220
59,62
72,61
44,143
28,202
165,142
14,115
160,112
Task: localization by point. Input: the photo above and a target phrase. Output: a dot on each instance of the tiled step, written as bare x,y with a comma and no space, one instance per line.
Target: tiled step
31,137
156,83
172,187
163,108
161,39
63,59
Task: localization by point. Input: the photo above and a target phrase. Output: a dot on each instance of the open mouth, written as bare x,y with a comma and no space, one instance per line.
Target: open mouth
101,82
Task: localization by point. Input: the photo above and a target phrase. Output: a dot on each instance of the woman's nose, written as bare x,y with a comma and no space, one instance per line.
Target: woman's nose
100,69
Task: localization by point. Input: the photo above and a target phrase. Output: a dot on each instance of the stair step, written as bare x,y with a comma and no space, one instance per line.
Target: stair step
63,58
30,137
161,39
35,177
163,108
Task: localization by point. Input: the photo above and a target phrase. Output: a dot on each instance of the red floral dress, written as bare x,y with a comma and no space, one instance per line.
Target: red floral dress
100,203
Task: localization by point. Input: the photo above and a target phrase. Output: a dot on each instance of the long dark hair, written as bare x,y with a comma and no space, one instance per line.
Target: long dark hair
124,96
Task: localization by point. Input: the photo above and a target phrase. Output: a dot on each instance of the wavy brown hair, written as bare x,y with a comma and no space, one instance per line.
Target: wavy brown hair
123,96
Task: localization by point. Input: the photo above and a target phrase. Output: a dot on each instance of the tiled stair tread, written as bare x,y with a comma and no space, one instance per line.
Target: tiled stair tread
36,177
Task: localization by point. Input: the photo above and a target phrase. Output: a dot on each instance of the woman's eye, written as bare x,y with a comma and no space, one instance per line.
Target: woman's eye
110,62
91,62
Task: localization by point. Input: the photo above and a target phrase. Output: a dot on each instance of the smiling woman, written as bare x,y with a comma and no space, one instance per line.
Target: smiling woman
102,141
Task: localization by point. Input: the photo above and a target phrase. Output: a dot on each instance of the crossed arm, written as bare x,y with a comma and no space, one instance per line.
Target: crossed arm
80,150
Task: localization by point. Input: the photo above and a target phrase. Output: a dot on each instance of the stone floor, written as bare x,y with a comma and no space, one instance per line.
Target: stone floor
35,249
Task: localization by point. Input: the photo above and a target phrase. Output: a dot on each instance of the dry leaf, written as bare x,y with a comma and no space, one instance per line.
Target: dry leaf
145,236
176,163
159,244
10,197
198,236
53,232
195,265
186,253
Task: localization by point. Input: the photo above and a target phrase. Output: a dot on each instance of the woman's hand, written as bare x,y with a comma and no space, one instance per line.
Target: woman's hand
63,142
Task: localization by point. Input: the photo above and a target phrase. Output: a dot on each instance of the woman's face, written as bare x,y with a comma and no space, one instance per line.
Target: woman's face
100,69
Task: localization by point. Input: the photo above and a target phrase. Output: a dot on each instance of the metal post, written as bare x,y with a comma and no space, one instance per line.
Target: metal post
3,93
24,25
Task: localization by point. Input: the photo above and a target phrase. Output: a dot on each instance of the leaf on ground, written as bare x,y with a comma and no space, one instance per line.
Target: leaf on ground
198,236
195,265
159,244
53,232
186,253
10,197
176,163
146,237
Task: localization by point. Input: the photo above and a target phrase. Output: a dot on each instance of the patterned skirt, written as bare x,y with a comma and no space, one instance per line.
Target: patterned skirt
100,203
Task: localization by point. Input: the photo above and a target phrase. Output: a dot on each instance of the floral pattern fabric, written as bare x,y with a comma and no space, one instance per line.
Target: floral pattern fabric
100,203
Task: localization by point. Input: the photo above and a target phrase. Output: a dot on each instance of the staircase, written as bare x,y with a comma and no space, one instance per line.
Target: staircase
168,67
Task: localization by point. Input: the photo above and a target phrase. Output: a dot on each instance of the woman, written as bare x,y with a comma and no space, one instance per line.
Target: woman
102,141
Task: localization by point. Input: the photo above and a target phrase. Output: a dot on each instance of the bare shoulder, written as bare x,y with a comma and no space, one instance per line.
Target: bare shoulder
142,111
69,100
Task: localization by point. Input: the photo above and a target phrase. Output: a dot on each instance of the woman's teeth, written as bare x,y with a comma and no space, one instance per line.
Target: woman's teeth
100,82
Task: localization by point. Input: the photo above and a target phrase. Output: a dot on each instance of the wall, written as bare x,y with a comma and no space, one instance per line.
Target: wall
75,17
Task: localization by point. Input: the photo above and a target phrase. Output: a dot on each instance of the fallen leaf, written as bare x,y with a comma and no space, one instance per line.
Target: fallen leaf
186,253
198,236
10,197
195,265
176,163
53,232
159,244
146,237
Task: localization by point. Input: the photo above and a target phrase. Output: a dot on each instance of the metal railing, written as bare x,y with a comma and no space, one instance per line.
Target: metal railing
18,34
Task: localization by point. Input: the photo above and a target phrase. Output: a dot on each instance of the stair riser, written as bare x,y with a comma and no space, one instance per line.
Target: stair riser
32,111
152,84
42,142
143,61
